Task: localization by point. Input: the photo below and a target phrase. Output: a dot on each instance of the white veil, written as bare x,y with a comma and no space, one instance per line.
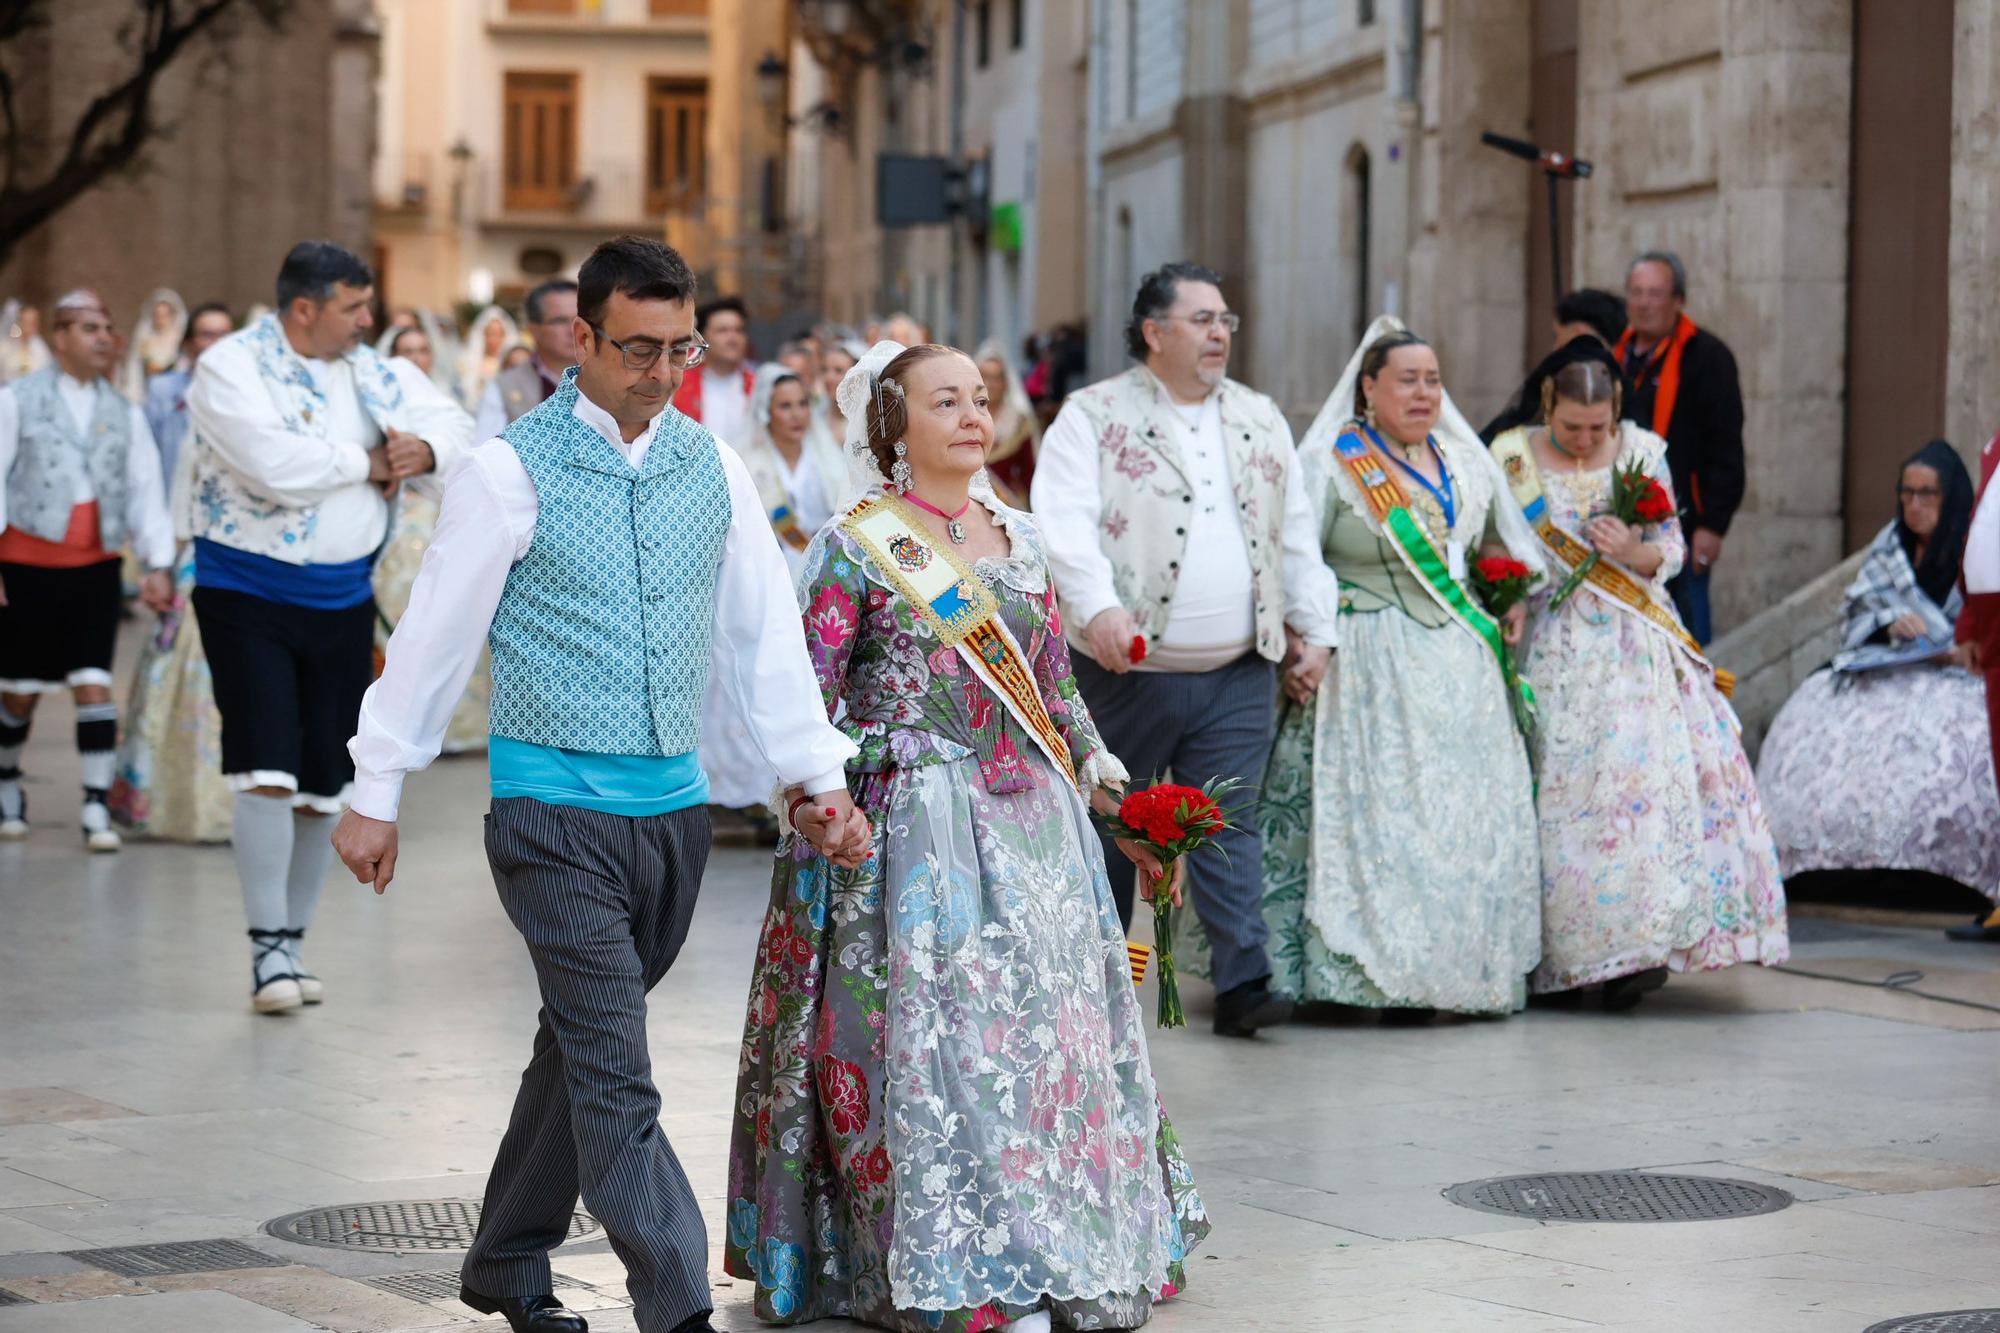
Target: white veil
1320,469
860,386
149,353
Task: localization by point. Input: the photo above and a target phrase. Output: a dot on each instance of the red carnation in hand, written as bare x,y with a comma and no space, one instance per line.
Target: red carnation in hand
1499,568
1654,505
1138,653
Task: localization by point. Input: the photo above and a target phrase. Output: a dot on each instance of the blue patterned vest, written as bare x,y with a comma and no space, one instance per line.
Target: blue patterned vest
52,457
601,641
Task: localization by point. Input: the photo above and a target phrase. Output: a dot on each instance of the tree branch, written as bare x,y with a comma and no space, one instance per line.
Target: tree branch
113,128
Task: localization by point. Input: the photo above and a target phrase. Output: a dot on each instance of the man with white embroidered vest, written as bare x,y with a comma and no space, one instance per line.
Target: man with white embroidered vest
302,434
615,557
1185,550
82,477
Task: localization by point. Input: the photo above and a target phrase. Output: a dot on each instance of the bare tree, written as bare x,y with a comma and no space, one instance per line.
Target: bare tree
44,167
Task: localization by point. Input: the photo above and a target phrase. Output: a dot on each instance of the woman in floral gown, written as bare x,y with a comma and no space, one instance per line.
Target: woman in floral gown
1656,855
946,1117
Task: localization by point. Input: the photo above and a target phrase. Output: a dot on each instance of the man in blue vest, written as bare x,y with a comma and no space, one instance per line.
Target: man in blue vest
615,557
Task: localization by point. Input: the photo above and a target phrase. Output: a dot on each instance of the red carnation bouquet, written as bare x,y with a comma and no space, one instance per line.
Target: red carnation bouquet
1170,821
1637,500
1502,583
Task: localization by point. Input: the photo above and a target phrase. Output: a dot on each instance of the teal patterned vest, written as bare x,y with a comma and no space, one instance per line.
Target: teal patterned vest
601,641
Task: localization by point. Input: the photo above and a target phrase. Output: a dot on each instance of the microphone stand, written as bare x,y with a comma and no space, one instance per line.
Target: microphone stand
1555,168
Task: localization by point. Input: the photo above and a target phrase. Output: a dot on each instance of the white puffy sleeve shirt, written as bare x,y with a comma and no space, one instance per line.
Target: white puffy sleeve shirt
760,669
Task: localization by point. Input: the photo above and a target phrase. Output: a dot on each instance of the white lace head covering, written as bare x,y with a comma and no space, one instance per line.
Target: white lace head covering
1014,405
1319,468
860,387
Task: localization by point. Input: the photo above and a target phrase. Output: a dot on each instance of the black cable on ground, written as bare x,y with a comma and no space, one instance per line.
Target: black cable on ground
1904,983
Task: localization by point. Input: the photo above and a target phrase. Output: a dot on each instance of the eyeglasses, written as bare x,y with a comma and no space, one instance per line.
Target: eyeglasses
1208,319
1931,493
645,355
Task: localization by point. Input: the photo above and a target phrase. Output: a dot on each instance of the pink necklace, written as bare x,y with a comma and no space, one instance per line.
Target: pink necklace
953,528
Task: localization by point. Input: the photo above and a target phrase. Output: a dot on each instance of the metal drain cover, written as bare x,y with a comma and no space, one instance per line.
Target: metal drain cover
1618,1196
1945,1321
436,1286
405,1226
180,1256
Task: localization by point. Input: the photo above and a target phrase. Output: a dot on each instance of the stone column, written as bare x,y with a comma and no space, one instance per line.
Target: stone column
1972,389
1720,130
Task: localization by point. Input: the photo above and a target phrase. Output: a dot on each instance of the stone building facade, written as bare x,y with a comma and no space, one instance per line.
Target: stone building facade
266,147
1827,168
517,134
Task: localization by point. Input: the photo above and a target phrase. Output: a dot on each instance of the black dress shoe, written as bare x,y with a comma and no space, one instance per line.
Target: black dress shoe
696,1323
1982,929
1408,1015
1622,993
527,1314
1241,1011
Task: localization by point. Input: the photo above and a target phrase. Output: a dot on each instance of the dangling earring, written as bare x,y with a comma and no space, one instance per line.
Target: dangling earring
899,474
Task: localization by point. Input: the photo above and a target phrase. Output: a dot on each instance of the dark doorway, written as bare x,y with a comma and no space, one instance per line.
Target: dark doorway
1899,236
1552,124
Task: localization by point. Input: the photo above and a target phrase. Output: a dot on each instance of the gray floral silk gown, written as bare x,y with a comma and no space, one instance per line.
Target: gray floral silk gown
945,1115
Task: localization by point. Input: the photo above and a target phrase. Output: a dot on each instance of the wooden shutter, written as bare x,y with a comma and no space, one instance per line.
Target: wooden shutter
540,140
676,137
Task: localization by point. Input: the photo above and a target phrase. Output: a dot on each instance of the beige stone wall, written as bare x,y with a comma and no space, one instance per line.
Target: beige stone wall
1720,129
256,160
1468,227
1972,378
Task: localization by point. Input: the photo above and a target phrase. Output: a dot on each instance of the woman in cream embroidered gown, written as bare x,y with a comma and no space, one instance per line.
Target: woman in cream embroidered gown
1400,862
799,473
945,1115
1656,855
1010,463
493,331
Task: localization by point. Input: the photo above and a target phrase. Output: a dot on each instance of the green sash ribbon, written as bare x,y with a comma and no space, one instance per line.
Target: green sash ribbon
1414,545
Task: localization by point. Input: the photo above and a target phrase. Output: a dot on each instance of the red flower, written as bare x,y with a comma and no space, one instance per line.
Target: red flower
1168,813
844,1092
1498,568
1138,653
870,1168
1654,505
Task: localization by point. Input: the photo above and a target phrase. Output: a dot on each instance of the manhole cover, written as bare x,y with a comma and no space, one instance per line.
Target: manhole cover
406,1226
181,1256
1618,1196
1944,1321
418,1286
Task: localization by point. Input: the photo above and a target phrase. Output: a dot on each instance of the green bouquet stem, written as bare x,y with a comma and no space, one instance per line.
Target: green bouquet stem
1575,580
1170,1014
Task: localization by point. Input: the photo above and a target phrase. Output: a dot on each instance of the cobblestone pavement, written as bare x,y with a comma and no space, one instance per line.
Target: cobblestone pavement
142,1102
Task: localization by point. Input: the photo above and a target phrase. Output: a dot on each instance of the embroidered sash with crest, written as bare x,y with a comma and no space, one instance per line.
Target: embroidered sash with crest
960,610
1612,582
1392,510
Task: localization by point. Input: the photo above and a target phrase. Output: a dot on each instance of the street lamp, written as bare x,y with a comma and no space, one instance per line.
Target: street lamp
771,80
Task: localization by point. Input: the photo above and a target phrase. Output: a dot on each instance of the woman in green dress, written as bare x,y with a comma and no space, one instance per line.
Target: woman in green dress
1401,865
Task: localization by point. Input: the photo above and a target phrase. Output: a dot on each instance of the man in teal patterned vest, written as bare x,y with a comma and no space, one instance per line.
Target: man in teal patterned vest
616,558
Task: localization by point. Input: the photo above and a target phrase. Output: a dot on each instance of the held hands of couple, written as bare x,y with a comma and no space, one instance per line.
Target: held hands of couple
1304,667
834,826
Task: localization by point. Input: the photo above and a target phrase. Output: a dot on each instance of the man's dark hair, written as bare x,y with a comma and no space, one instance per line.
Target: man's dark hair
1674,266
207,308
708,309
639,266
540,294
1158,291
312,270
1603,311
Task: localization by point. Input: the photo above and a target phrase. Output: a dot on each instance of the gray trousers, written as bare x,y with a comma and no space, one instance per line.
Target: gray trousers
1198,726
604,903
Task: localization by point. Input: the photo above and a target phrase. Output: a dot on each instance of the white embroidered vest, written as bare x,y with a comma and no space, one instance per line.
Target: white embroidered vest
228,510
1148,498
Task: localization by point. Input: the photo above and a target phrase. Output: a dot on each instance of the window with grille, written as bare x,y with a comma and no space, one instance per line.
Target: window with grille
540,140
676,134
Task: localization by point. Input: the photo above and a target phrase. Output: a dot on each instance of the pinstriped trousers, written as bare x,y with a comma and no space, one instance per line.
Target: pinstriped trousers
603,902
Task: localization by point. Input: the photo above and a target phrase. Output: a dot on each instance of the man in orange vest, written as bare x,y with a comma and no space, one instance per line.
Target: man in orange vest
1979,628
1680,382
